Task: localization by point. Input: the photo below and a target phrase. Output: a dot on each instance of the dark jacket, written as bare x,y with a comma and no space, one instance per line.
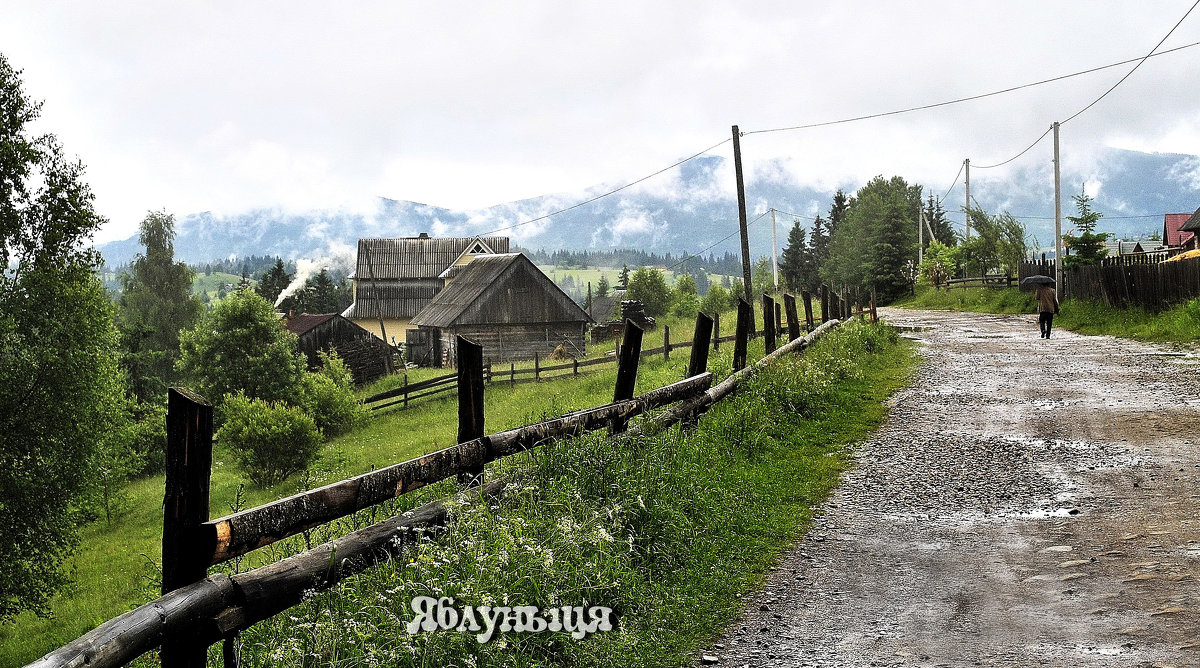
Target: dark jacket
1047,300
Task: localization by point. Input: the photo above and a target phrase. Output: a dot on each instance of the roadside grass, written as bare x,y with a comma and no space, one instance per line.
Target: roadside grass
117,566
1179,324
670,530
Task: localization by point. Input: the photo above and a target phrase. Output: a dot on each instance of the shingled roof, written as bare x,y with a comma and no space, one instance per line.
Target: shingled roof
500,289
418,257
1177,227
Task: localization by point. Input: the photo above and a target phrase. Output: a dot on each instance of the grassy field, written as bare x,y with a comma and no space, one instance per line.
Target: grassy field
210,284
117,566
1180,324
669,532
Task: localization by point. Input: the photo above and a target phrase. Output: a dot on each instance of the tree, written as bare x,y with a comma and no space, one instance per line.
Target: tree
797,266
62,390
241,345
650,287
686,301
871,247
602,286
1087,247
319,294
623,278
274,281
939,264
718,300
155,304
935,216
999,245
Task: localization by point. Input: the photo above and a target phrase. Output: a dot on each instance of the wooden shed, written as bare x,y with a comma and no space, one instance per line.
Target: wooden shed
365,354
504,303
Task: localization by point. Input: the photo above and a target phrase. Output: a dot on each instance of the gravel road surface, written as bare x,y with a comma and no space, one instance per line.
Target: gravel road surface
1029,503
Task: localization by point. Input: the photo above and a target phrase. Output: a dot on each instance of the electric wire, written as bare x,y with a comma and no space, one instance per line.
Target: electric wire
717,242
972,97
960,171
610,192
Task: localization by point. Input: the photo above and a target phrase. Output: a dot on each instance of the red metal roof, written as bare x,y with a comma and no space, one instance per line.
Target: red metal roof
1172,236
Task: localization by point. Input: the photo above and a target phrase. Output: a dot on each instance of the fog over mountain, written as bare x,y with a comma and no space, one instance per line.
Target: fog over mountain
685,211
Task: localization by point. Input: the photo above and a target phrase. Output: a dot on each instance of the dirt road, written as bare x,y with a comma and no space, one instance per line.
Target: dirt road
1029,503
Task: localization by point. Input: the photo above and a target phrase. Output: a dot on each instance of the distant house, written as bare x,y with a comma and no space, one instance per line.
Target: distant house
1173,233
365,354
1118,248
395,278
1190,227
504,303
607,307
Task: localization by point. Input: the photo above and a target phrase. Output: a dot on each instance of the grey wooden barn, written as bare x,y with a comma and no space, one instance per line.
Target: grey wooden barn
365,354
504,303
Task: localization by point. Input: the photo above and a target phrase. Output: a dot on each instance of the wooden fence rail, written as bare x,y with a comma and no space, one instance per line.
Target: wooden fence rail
1152,286
195,615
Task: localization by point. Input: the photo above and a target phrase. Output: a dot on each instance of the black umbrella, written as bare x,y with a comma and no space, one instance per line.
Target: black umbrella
1036,280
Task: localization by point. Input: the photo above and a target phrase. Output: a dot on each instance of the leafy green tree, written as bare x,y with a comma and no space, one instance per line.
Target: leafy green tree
274,281
241,345
999,244
939,264
271,440
327,395
1087,246
685,300
62,393
155,304
763,280
718,300
650,287
872,246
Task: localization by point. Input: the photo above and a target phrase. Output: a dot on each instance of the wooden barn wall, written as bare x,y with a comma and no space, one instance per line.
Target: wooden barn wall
523,295
365,354
513,343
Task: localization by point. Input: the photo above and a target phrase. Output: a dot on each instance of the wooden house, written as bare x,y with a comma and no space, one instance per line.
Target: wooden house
1190,228
1173,233
365,354
504,303
393,279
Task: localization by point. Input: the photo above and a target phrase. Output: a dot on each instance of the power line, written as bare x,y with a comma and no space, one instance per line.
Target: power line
977,97
1139,64
717,242
960,171
1027,149
610,192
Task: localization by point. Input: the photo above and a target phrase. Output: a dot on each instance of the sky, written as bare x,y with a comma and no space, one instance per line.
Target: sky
222,106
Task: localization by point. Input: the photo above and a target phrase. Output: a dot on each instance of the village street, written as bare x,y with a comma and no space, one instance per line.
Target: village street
1029,502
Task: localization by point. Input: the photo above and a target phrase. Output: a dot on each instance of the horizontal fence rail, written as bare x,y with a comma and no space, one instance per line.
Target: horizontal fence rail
1152,286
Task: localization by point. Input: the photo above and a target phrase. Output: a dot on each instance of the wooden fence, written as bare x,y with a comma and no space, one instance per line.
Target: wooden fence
1154,286
446,385
198,610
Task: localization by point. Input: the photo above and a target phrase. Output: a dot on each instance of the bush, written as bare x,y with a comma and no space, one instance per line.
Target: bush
328,397
271,440
147,433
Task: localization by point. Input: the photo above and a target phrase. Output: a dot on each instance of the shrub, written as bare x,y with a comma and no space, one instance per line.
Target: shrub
327,396
271,440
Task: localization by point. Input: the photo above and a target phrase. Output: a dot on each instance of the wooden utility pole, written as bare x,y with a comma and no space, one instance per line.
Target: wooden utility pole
1058,247
774,252
967,207
920,237
742,227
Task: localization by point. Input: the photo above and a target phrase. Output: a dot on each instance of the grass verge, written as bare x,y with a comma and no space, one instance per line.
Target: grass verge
670,531
1179,324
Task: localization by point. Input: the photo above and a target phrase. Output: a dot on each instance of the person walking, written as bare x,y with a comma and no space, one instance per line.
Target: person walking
1047,301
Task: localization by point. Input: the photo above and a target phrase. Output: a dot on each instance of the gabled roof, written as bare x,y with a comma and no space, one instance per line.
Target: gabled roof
417,257
1174,224
299,324
1117,247
500,289
605,308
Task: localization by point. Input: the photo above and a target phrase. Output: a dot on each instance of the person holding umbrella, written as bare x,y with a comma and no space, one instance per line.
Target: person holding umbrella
1047,301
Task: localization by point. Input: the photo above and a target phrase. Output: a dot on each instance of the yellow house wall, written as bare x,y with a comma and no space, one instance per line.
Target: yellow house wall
396,327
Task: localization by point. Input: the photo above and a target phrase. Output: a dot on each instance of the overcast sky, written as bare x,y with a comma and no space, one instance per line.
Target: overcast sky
224,106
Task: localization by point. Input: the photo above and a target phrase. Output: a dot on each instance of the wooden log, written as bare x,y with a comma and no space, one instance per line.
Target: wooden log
234,535
793,320
745,321
698,363
185,508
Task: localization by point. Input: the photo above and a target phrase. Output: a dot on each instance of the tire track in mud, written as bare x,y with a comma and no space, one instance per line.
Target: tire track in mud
1029,502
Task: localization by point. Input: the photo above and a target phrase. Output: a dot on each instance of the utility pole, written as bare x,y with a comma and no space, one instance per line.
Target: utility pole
920,235
1057,215
741,195
774,252
967,208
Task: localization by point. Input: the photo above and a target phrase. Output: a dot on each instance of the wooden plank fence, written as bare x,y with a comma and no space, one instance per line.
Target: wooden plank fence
1154,286
196,611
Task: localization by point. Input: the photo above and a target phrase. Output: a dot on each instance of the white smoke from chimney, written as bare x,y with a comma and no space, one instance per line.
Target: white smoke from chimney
338,256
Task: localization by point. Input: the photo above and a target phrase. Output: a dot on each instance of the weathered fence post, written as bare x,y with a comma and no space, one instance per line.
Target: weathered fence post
793,320
512,373
768,305
537,367
627,366
778,318
185,508
406,389
874,314
824,304
716,331
666,342
808,309
745,323
698,363
574,366
470,401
